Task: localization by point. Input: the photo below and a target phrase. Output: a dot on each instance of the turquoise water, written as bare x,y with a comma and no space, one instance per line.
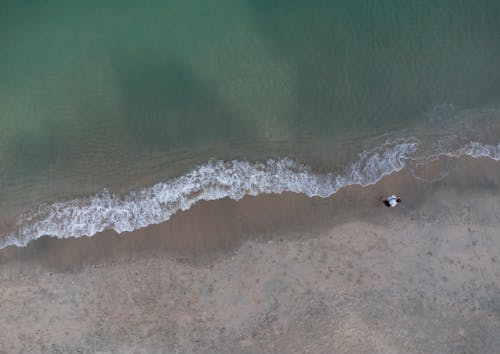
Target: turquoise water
120,96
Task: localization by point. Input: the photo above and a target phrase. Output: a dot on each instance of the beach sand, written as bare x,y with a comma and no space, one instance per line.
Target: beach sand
274,274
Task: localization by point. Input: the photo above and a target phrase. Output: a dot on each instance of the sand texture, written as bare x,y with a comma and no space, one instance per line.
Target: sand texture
274,274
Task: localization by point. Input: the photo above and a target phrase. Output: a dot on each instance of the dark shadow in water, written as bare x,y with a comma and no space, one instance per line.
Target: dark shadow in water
374,65
166,107
32,151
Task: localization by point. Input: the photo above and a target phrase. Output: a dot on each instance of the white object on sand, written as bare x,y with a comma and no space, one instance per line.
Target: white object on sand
392,200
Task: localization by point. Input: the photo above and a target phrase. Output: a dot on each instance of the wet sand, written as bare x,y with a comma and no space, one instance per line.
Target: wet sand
275,273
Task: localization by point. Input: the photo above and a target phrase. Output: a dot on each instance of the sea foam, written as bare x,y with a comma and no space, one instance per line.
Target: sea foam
214,180
476,149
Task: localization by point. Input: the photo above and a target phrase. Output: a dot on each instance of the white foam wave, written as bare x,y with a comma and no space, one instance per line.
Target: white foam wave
448,156
87,216
210,181
475,149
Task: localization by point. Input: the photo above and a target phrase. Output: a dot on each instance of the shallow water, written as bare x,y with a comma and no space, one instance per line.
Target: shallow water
121,96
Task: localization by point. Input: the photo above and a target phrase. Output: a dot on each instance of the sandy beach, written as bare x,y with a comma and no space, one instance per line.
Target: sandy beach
274,274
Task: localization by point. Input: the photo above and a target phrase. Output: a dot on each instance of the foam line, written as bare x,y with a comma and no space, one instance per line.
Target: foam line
213,180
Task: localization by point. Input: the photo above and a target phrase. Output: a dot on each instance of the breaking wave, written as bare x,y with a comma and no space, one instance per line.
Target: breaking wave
213,180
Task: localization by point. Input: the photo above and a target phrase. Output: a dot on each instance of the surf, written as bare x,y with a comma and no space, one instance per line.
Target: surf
217,179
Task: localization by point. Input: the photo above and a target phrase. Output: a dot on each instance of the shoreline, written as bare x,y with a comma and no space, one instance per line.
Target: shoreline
89,215
215,227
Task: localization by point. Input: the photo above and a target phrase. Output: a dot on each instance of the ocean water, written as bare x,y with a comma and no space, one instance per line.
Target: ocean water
115,115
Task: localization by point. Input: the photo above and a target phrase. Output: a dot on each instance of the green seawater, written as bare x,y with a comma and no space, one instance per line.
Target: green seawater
122,94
